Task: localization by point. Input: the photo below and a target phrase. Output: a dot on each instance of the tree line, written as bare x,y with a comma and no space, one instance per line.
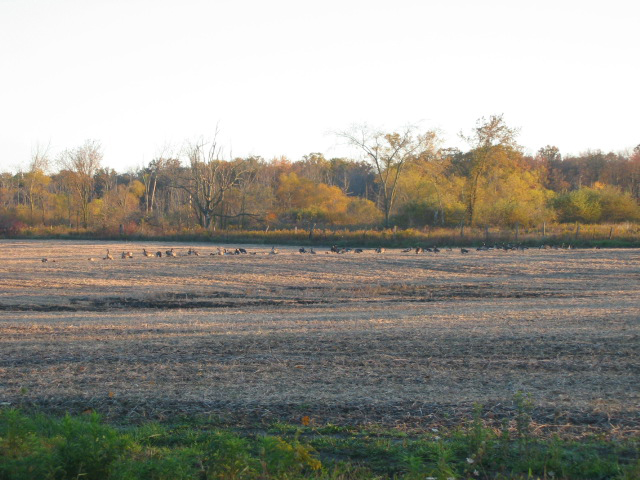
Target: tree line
405,178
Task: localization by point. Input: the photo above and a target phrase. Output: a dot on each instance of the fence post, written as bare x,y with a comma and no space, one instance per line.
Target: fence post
544,229
610,233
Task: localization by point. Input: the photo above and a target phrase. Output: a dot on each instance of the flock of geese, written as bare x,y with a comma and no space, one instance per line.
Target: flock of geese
334,249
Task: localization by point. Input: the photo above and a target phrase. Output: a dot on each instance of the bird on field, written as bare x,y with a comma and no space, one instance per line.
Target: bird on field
108,256
171,253
45,260
273,251
419,249
358,250
312,251
436,250
464,250
381,250
147,254
407,250
192,251
242,250
127,254
91,259
158,254
302,250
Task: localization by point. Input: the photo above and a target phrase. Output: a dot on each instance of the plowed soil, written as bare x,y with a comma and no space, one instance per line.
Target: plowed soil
399,339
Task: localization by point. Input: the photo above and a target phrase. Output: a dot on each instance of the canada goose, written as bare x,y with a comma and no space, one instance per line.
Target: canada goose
464,250
127,254
158,254
436,250
381,250
358,250
312,251
45,260
147,254
242,250
335,249
419,250
407,250
273,251
302,250
171,253
193,251
108,256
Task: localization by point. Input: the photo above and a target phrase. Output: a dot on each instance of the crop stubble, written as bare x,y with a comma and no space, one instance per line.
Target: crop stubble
395,338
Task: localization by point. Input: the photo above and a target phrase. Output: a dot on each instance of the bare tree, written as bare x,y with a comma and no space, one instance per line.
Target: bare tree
389,153
83,162
208,179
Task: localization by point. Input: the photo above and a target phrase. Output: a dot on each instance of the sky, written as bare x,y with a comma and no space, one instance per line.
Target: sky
146,77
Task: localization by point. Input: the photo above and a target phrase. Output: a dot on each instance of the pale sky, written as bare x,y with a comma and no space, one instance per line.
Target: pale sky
279,76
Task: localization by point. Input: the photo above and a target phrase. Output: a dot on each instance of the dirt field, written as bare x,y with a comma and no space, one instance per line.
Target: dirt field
394,338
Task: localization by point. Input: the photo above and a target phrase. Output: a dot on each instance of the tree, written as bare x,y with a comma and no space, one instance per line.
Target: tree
35,181
493,144
84,163
389,153
208,180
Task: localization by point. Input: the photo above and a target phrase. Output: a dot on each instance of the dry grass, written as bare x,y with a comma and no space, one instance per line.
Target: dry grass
396,338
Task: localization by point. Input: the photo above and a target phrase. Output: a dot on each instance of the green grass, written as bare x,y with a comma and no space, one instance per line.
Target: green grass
37,446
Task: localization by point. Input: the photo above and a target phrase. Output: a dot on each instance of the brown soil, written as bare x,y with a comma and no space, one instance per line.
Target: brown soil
394,338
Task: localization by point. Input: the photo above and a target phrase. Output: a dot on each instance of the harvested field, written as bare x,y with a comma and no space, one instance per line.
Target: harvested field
395,338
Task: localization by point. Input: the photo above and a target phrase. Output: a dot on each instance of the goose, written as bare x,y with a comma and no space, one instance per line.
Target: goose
127,254
358,250
147,254
407,250
302,250
312,251
273,251
171,253
192,251
242,250
45,260
108,256
419,250
91,259
464,250
381,250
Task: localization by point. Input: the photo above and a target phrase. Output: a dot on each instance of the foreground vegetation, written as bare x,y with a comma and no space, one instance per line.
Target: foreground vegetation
43,447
